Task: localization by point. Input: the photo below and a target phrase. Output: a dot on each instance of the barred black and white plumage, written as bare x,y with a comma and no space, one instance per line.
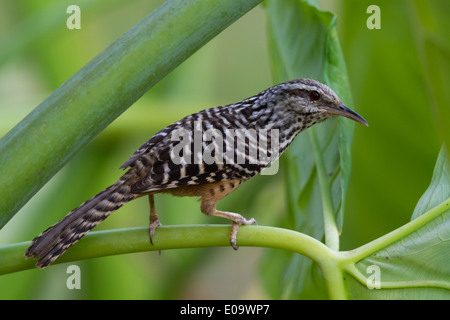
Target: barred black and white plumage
161,165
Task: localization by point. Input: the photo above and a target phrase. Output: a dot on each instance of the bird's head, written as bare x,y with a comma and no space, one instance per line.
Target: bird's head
307,97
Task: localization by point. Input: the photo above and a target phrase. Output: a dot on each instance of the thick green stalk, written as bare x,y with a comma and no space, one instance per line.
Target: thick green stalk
329,220
36,148
112,242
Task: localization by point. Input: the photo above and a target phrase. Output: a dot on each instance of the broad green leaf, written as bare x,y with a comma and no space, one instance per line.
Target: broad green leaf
439,189
303,43
417,266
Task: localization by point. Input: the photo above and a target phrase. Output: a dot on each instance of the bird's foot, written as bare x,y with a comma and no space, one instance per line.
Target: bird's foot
152,228
237,221
235,229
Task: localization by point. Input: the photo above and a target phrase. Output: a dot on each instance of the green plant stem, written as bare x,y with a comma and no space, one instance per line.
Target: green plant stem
333,264
334,278
329,219
36,148
398,284
360,253
120,241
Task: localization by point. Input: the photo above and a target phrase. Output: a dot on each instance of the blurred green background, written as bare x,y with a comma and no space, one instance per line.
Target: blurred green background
393,159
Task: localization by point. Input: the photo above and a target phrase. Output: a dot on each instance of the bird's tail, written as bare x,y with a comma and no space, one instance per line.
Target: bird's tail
54,241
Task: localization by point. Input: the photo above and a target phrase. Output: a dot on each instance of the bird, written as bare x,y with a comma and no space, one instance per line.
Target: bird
207,154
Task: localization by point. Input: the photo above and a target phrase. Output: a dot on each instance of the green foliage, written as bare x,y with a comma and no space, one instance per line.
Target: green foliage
313,171
389,70
318,162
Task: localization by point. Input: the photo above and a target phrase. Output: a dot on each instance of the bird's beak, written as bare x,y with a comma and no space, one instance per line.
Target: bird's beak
342,110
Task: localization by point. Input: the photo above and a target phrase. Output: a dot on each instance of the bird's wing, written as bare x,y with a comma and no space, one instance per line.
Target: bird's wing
198,150
146,147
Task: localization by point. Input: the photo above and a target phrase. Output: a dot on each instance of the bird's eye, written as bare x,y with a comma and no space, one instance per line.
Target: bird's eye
314,95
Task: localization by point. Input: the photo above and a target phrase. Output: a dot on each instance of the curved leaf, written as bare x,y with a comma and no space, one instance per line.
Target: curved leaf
417,265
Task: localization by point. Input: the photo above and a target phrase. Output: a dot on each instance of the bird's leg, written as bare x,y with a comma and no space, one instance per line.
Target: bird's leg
237,221
210,194
154,219
213,193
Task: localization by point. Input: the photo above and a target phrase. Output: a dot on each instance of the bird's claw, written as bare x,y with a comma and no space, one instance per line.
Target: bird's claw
152,228
235,229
